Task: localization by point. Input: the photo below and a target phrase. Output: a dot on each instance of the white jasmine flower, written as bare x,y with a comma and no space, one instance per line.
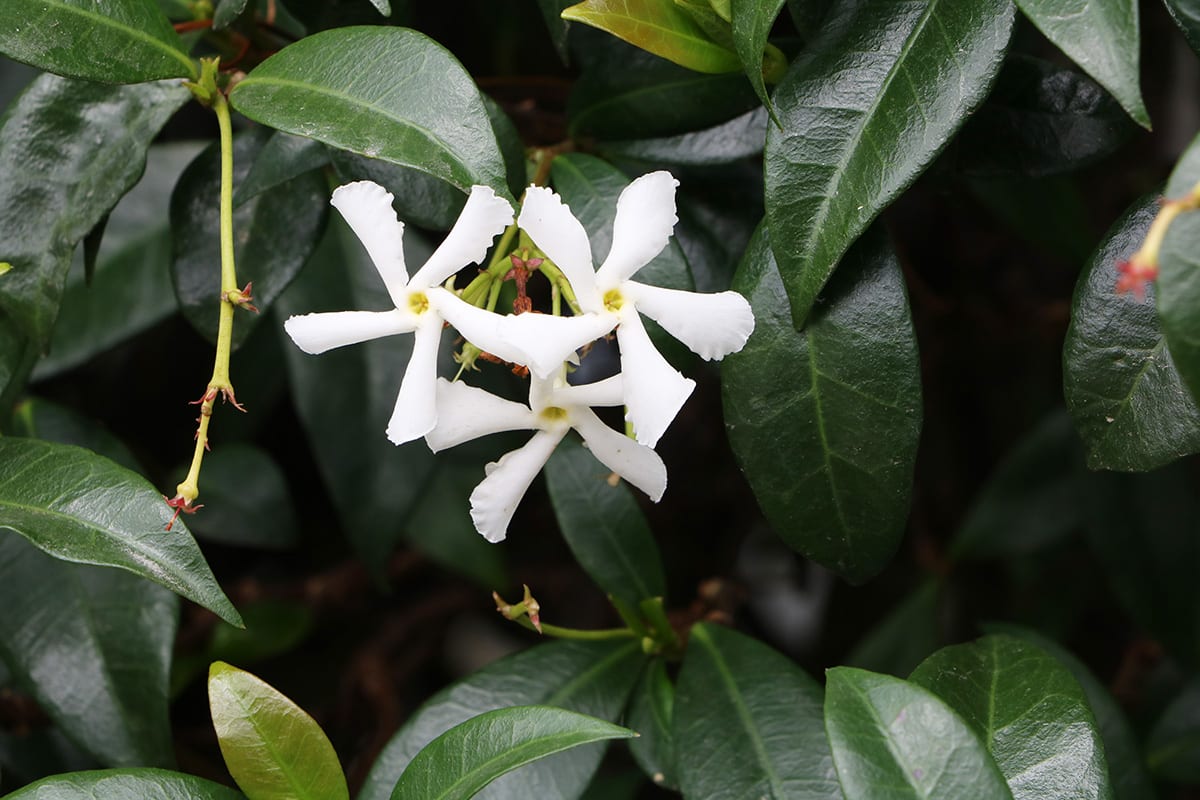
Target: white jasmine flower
422,306
466,413
712,325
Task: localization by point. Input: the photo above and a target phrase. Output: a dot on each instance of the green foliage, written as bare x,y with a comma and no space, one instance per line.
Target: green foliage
125,784
665,29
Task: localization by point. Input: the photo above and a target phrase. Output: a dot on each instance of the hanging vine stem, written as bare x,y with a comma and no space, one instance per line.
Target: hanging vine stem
231,297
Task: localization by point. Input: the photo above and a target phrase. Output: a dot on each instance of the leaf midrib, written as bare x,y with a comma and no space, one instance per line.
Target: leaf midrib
102,20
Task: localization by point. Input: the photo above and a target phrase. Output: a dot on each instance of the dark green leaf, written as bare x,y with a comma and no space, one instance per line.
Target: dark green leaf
125,784
36,418
1173,751
132,287
1186,14
748,723
1040,119
591,678
93,645
825,421
752,21
1029,710
281,159
91,249
272,748
651,714
739,138
344,397
247,502
1178,289
1102,37
864,111
382,92
68,150
556,25
121,41
276,233
420,198
603,526
81,507
472,754
1033,499
630,94
1145,531
893,740
908,633
511,146
1126,769
441,527
1120,381
384,7
662,28
226,12
591,188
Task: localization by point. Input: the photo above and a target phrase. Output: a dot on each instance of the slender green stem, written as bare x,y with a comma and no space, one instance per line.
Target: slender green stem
582,634
499,266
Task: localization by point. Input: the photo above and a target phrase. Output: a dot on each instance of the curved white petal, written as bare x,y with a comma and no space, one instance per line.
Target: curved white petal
496,498
478,326
608,392
558,234
654,390
645,221
415,413
367,208
316,333
548,341
634,462
466,412
712,325
484,217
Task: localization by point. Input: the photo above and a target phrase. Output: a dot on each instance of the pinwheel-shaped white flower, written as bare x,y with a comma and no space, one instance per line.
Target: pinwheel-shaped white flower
712,325
466,413
421,304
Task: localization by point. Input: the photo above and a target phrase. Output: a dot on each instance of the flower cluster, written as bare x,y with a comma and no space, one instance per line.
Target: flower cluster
447,413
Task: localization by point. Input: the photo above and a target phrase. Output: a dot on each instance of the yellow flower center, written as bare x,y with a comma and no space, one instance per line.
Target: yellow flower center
418,303
613,300
554,414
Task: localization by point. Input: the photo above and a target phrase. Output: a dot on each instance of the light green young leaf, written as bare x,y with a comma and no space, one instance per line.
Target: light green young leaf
121,524
125,784
1102,37
382,92
472,754
659,27
118,41
864,111
272,748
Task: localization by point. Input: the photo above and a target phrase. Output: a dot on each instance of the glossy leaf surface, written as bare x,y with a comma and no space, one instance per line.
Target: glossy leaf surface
226,12
747,723
81,507
864,111
93,645
825,421
651,713
472,754
125,784
591,678
751,25
281,159
1124,392
664,29
892,739
1102,37
1029,710
272,748
730,141
603,526
383,92
119,41
69,151
277,232
36,418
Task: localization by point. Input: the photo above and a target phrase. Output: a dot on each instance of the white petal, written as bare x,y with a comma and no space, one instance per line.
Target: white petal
634,462
494,501
466,412
547,341
645,220
654,390
478,326
712,325
483,218
367,209
316,333
608,392
558,234
415,413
